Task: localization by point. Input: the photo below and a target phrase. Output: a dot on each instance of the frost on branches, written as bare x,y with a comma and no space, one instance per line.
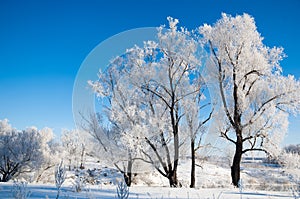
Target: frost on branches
74,148
254,96
21,152
147,92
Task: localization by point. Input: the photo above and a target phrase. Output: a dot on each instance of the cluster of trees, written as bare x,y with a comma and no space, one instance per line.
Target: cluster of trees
295,149
25,152
33,154
156,99
159,100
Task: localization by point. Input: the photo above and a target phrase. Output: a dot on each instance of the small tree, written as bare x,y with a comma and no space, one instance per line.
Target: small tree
255,98
122,190
196,129
20,190
74,147
60,177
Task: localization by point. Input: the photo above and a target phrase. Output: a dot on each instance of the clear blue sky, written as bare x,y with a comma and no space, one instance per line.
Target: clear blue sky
43,43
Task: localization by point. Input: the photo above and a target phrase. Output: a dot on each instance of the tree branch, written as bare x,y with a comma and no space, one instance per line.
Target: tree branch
224,135
157,155
220,76
158,95
156,167
254,149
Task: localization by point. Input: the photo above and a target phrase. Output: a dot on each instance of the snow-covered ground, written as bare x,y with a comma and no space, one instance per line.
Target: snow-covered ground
213,181
37,191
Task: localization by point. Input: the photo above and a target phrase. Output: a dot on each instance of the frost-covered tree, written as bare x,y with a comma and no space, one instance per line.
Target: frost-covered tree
196,127
255,98
105,144
51,151
60,177
20,151
145,90
74,148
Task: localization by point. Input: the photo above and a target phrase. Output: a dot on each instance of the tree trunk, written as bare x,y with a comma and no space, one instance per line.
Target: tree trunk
193,166
173,181
4,177
128,174
127,178
173,174
82,157
236,164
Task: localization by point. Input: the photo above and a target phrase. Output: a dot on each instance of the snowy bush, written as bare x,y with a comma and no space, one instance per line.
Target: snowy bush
122,190
20,190
290,160
79,184
295,188
60,176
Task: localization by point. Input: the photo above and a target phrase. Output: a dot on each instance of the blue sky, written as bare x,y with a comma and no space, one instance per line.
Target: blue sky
44,42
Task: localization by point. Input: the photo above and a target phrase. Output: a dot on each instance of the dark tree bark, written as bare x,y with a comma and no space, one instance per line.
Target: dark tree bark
7,175
128,175
173,181
8,170
169,169
82,157
127,172
236,168
193,166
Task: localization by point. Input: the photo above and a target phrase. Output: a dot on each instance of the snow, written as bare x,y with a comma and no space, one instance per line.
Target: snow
212,181
109,192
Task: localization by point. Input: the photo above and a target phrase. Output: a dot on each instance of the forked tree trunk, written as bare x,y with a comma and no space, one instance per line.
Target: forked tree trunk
236,164
193,166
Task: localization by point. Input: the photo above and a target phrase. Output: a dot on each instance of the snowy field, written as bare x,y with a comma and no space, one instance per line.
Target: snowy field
213,182
109,192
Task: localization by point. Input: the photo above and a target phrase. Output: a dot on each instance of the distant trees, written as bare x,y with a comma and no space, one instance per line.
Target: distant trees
295,149
74,148
254,96
51,152
20,151
29,153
